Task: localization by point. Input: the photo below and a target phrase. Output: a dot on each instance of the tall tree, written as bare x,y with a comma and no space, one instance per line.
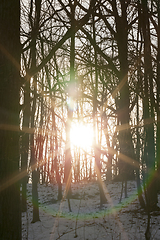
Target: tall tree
158,91
103,199
10,214
71,96
35,173
25,143
148,105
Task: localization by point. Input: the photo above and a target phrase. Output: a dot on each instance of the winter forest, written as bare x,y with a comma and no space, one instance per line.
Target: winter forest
79,119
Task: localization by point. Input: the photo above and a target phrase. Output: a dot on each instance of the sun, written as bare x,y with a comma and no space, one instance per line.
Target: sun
81,135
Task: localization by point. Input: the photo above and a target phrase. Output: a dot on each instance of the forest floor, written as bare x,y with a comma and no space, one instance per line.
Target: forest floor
125,220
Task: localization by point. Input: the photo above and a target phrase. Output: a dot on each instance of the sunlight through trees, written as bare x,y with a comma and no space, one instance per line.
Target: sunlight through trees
83,97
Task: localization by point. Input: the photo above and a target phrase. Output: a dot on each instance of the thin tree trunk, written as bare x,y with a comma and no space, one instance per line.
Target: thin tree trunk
148,103
57,169
58,177
25,144
103,199
139,78
35,173
139,188
71,94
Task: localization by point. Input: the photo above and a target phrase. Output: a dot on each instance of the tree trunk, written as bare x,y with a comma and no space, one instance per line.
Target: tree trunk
10,214
35,172
103,199
58,177
25,145
148,105
123,99
35,179
71,95
158,102
55,141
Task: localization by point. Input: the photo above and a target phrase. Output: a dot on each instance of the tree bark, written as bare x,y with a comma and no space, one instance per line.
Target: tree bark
158,102
103,199
71,95
35,172
25,145
123,100
10,214
148,105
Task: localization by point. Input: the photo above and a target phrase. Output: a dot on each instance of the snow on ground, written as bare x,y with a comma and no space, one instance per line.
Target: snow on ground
125,220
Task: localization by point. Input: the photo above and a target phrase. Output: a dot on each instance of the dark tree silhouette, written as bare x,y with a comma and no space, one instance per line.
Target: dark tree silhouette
10,215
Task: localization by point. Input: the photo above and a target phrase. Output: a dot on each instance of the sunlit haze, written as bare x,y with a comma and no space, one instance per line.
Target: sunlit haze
81,135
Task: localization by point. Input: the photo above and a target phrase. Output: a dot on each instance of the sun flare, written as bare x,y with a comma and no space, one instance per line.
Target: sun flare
81,135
